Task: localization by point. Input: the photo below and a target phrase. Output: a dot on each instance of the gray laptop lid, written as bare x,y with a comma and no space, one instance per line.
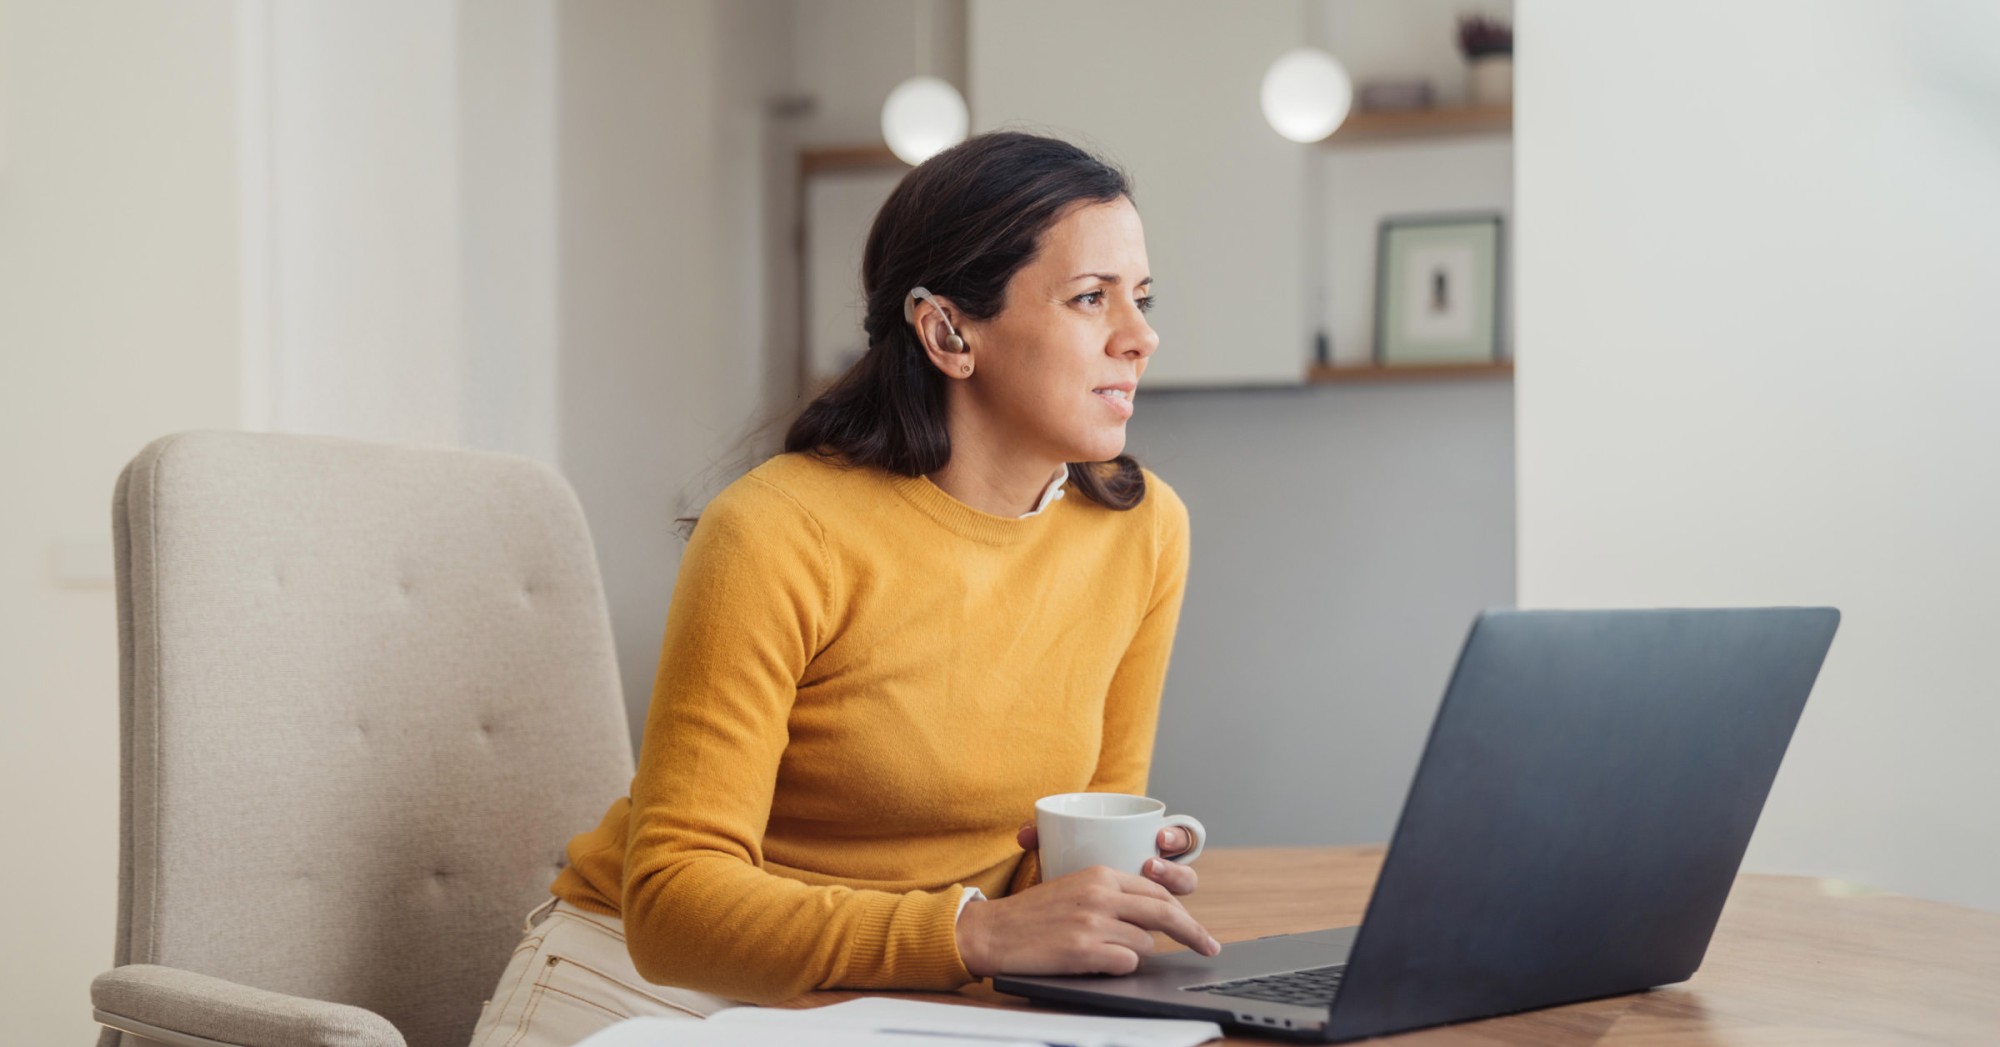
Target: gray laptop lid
1582,806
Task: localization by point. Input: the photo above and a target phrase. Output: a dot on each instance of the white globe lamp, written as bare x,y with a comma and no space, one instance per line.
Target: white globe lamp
1306,94
923,117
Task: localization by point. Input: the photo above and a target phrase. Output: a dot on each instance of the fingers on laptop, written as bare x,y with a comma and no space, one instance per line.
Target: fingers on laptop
1148,905
1148,914
1097,921
1117,946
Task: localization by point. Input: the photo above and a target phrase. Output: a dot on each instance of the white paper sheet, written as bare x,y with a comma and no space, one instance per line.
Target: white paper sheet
877,1021
983,1025
684,1032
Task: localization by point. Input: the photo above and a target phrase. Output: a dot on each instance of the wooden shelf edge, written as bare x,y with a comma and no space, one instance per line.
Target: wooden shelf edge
1405,372
865,157
1422,123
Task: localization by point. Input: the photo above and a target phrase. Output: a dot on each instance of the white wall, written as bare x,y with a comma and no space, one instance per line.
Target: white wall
364,155
118,322
508,278
661,124
1757,274
401,181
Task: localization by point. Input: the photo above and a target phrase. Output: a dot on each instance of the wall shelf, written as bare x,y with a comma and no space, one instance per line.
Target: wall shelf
1362,126
1408,372
873,156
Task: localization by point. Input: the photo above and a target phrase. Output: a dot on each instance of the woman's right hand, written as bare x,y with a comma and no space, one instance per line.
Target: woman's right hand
1097,921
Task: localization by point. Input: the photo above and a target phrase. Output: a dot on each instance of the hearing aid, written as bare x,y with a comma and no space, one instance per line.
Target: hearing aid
956,343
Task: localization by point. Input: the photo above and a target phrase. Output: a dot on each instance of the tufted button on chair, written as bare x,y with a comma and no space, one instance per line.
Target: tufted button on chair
367,694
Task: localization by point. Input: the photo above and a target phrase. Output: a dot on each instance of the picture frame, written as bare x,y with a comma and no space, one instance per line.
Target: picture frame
1438,281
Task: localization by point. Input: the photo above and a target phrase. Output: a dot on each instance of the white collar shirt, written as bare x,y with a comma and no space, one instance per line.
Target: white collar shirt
1050,493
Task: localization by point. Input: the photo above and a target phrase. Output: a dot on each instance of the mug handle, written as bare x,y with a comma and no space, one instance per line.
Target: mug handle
1193,826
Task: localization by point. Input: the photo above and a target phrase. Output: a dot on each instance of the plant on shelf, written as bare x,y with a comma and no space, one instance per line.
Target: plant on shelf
1488,47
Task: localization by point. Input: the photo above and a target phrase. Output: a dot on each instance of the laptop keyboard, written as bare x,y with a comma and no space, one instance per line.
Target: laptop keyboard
1312,987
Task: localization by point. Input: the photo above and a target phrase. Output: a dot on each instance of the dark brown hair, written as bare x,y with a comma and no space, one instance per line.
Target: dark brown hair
961,224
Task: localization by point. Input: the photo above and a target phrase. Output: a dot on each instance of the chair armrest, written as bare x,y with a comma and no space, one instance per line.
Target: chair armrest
195,1010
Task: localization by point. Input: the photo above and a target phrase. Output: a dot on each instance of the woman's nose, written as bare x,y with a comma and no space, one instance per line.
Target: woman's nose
1137,338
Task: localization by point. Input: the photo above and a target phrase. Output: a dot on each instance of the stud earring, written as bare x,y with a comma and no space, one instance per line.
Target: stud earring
966,369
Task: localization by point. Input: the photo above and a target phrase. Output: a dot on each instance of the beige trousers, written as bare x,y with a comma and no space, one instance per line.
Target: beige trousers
570,977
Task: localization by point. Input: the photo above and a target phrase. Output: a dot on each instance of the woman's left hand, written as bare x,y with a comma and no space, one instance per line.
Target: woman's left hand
1175,877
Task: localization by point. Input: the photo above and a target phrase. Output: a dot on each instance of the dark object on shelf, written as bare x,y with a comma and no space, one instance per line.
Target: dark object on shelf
1392,96
1479,36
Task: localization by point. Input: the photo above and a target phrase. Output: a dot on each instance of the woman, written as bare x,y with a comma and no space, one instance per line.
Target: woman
886,643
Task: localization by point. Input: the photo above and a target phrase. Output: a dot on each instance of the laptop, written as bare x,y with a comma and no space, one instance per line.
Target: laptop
1575,823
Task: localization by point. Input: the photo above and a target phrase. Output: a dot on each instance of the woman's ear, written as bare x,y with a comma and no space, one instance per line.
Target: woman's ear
944,343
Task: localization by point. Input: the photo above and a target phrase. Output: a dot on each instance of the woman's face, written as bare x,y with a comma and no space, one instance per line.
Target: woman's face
1057,371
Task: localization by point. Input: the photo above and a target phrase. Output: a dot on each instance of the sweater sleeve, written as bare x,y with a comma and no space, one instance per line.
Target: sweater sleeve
749,610
1132,705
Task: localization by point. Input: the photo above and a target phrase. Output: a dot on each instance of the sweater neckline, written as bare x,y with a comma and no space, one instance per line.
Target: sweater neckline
962,519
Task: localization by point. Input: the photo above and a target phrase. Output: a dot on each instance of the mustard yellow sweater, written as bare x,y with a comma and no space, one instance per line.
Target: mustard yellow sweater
864,687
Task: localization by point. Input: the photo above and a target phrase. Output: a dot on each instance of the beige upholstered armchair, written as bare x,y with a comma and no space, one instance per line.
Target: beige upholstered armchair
367,694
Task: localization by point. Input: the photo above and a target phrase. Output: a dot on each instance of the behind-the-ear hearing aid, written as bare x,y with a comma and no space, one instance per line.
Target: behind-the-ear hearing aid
956,343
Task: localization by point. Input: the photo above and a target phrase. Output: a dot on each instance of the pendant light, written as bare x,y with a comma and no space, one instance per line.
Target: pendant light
924,115
1306,94
1306,91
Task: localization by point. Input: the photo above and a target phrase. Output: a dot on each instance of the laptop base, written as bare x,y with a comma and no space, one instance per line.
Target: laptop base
1158,988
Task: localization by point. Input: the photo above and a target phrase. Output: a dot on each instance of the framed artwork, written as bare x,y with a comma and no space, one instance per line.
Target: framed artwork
1437,289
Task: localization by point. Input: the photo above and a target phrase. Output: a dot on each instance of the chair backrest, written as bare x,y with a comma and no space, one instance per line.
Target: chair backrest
367,695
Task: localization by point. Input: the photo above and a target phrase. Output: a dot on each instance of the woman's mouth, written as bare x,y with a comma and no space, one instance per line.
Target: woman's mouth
1119,399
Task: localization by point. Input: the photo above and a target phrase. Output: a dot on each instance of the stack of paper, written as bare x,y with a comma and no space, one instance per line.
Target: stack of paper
882,1022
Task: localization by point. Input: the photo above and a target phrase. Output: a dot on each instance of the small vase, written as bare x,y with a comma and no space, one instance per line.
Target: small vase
1490,80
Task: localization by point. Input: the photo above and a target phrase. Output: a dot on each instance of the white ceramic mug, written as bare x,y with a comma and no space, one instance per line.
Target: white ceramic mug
1079,830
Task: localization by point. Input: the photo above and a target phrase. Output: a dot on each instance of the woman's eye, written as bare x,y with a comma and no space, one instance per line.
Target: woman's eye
1145,303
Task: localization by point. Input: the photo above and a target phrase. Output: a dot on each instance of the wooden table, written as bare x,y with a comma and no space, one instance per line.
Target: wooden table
1795,962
